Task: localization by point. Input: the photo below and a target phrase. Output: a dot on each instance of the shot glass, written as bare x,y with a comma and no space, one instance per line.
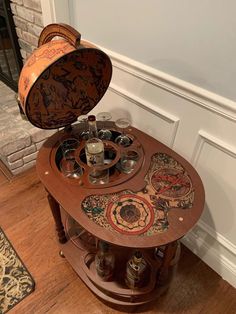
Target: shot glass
97,175
68,147
71,169
128,161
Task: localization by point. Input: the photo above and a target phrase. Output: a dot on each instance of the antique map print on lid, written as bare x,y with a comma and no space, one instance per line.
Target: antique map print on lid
15,281
70,87
168,186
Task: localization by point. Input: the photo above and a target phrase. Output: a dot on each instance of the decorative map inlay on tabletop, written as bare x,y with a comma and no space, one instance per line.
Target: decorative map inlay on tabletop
168,180
130,214
168,186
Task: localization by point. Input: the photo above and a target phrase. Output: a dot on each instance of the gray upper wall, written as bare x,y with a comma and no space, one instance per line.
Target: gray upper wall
191,40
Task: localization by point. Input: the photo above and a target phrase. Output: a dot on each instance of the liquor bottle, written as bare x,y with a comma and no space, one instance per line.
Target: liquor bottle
92,124
104,261
94,147
136,271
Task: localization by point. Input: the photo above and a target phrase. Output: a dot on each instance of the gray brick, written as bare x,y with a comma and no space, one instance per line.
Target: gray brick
20,2
19,32
8,97
34,29
17,171
33,4
21,153
38,135
13,110
24,167
23,53
28,54
29,38
30,157
26,46
13,8
39,145
29,165
12,140
16,164
5,90
21,23
38,19
7,122
25,13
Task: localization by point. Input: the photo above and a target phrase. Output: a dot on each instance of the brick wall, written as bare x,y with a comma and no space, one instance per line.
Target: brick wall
27,15
19,140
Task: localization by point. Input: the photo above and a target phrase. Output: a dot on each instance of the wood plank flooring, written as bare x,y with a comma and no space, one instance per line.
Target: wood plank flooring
26,219
3,178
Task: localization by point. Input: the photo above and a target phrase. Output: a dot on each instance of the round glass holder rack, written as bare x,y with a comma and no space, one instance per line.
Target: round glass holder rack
113,158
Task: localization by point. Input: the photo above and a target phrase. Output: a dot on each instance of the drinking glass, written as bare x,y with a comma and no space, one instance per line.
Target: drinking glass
123,139
71,169
68,147
104,134
128,161
98,175
85,133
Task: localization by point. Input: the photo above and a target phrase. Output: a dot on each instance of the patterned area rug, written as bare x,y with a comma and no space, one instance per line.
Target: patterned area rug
15,281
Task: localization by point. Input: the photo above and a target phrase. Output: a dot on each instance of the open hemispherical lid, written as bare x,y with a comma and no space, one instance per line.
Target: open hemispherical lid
63,78
68,88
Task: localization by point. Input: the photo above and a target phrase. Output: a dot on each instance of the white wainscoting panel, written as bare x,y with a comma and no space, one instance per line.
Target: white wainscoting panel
176,113
214,237
151,119
212,252
216,163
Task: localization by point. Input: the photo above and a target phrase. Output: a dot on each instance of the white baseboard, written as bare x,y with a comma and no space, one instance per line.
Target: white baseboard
216,251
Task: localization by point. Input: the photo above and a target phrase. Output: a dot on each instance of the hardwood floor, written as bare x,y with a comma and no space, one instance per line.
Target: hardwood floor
26,219
3,178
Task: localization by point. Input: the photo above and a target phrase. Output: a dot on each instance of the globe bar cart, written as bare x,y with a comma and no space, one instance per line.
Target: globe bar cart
149,208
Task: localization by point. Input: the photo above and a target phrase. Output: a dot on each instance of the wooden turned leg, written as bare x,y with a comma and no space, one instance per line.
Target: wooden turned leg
55,208
169,254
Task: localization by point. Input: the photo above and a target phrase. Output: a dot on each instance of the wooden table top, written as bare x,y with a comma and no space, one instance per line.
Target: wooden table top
159,202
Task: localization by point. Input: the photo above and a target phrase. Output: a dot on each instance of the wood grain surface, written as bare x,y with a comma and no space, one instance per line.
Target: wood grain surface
3,178
26,219
71,193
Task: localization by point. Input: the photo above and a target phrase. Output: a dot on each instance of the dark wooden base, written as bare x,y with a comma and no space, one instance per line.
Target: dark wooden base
80,254
75,257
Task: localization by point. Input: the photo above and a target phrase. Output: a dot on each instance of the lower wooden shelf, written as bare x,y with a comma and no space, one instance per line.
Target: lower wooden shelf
112,292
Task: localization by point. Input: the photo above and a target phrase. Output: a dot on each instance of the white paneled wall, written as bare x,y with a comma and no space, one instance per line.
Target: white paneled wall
201,127
192,40
157,123
198,124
